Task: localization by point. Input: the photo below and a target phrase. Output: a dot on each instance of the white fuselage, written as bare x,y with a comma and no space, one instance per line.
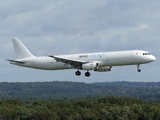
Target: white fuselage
101,62
117,58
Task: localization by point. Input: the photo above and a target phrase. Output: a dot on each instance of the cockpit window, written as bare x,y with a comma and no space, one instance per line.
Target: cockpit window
146,53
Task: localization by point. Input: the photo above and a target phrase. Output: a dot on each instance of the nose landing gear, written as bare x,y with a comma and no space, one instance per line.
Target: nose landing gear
138,69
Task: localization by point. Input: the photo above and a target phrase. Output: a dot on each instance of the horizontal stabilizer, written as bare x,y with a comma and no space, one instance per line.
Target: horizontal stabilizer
16,61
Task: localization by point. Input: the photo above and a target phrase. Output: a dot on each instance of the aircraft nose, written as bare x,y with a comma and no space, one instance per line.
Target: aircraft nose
152,58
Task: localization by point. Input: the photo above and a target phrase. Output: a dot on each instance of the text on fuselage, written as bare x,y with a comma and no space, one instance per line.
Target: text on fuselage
94,55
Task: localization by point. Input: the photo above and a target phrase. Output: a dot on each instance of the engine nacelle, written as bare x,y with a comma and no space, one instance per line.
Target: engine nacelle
90,66
104,69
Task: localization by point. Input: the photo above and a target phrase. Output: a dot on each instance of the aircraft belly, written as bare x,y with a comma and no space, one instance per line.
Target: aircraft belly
45,63
52,66
59,66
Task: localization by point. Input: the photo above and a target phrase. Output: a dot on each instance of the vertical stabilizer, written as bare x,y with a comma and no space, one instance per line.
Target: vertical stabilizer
20,49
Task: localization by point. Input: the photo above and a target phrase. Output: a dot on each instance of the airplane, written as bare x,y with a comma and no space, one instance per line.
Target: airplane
99,62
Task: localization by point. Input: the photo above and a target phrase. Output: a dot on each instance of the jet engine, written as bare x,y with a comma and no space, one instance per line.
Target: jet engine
90,66
104,69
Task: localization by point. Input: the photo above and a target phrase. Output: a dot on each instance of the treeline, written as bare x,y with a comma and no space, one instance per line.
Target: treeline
102,108
149,91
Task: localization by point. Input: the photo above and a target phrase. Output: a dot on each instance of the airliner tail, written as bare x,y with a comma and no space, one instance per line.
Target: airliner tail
20,50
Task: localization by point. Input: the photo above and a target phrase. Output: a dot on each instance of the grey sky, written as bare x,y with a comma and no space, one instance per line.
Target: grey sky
79,26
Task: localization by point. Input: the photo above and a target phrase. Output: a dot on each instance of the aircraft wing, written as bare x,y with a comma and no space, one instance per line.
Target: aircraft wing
16,61
72,62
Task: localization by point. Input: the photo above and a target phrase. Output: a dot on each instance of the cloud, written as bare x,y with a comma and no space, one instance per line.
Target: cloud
67,26
142,27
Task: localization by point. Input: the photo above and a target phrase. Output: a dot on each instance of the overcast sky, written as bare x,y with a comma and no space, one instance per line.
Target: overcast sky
78,26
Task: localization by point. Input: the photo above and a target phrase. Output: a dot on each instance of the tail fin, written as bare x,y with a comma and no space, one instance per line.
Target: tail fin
20,49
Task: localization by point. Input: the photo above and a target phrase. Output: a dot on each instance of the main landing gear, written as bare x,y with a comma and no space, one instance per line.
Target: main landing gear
87,74
138,69
78,73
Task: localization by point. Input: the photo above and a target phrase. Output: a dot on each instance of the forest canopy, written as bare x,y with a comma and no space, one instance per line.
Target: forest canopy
76,101
102,108
59,90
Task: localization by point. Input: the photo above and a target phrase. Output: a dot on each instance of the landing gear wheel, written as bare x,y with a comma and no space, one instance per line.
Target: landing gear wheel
87,74
139,70
78,73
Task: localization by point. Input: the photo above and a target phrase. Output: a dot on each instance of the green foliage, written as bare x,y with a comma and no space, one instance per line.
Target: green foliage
102,108
77,101
149,92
